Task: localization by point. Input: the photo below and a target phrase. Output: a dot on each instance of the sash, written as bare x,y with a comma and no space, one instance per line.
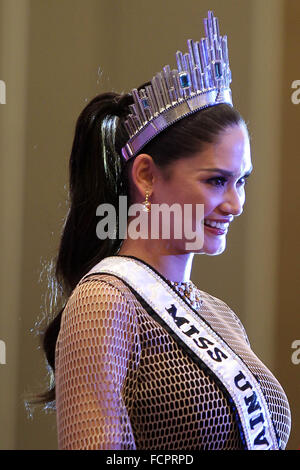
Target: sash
187,327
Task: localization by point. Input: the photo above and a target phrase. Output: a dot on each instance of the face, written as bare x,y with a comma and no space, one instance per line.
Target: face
216,178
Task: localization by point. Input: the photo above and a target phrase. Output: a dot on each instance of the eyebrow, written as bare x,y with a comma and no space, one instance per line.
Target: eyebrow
226,172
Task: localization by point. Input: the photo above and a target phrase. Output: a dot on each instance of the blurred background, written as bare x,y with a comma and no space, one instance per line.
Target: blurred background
56,55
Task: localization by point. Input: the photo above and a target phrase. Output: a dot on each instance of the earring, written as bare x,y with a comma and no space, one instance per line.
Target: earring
147,203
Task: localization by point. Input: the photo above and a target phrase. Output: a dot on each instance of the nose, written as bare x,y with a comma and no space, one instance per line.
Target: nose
234,200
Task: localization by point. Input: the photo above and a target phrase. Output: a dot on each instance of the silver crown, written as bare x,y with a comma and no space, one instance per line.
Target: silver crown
202,79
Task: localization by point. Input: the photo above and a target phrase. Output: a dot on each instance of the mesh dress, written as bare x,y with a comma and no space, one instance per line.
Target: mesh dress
123,382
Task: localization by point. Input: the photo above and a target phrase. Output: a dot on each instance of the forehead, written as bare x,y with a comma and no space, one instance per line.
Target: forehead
233,144
231,152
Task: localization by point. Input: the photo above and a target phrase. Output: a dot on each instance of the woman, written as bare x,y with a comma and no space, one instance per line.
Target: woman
143,359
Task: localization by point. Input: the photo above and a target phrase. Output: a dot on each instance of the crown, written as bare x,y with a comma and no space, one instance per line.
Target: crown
202,79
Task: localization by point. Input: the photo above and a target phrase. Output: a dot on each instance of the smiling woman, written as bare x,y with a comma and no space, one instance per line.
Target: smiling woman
132,314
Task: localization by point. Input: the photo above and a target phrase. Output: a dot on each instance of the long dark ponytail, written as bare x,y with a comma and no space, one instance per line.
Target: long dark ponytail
94,181
90,184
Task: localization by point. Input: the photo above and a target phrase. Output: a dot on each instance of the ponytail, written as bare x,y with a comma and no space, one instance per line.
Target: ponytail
96,177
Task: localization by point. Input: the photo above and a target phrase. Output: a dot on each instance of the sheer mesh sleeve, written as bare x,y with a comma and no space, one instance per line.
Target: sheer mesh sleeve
97,349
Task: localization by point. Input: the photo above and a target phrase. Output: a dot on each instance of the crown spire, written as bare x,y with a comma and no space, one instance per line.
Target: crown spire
202,79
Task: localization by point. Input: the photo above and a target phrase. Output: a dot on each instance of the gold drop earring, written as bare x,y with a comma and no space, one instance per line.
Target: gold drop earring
147,203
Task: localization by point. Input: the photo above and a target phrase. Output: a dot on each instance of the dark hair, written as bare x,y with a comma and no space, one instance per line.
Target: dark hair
91,184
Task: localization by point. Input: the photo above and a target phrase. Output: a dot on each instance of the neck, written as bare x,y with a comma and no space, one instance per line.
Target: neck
173,266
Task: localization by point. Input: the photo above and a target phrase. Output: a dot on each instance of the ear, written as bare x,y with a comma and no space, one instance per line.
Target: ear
143,174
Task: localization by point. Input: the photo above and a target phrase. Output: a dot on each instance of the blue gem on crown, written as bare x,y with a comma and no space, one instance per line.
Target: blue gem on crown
185,80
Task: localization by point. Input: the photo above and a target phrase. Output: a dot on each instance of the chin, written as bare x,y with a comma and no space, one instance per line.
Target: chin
213,250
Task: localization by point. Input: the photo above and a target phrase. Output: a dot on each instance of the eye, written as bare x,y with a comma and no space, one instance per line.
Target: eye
218,181
243,181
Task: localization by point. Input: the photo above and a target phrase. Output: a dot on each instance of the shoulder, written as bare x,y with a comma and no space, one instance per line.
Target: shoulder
100,296
101,287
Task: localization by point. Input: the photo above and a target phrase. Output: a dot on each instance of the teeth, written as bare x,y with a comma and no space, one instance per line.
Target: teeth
221,225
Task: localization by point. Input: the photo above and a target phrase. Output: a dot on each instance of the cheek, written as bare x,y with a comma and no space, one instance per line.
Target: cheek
170,194
210,201
161,190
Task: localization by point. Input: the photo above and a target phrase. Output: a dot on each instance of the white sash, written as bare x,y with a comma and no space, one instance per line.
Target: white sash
257,428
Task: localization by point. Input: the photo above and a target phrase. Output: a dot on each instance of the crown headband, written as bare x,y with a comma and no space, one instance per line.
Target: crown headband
202,79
